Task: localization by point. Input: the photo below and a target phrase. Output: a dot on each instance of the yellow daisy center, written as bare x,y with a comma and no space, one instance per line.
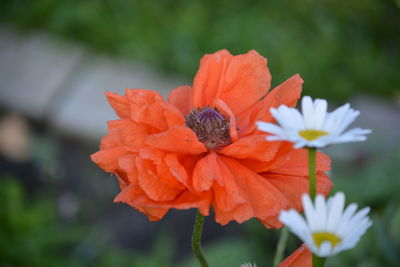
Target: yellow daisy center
321,237
311,135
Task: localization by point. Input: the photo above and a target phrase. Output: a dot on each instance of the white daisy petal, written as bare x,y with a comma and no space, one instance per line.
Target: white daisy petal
307,108
320,108
309,212
315,127
325,249
349,117
300,144
344,221
270,128
295,222
334,118
327,228
335,211
320,208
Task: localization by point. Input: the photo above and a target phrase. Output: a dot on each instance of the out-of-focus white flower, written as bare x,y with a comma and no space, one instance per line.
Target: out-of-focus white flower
315,127
327,229
248,264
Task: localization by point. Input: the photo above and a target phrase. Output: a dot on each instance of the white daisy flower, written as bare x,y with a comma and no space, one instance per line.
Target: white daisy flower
315,127
248,264
327,229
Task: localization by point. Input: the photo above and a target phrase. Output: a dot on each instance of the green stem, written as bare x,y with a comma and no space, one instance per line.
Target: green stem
281,245
196,240
311,171
317,261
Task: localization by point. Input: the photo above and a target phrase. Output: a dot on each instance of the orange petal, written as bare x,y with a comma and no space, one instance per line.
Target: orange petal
181,98
262,198
208,78
110,140
240,213
228,203
293,187
296,163
206,171
131,135
285,94
179,139
161,168
177,169
149,108
107,159
240,81
156,185
126,163
232,120
246,81
301,257
135,197
122,179
189,200
254,147
120,104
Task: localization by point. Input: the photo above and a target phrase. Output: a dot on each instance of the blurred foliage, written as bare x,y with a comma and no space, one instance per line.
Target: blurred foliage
338,47
226,252
32,234
373,182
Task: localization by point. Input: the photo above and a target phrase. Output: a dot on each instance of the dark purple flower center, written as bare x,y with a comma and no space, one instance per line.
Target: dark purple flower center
210,127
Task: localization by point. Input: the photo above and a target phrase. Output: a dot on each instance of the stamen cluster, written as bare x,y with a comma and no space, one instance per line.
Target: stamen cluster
210,126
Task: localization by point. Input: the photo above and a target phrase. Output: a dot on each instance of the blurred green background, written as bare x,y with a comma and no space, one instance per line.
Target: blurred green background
339,47
56,206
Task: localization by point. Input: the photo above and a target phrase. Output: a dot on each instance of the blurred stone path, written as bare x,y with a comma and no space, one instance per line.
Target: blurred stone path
64,83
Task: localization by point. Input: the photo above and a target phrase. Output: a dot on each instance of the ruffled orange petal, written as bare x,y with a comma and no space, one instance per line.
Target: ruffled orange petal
110,140
177,169
135,197
228,202
188,200
301,257
156,185
206,171
179,139
296,163
293,187
207,81
240,81
181,98
253,147
131,135
127,164
161,168
285,94
149,108
261,198
120,104
226,111
107,159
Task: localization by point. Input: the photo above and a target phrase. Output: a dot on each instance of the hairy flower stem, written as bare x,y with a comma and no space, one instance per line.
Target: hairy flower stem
311,171
317,261
196,240
280,249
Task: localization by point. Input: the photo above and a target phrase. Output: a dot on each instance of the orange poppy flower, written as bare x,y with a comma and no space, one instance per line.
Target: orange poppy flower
301,257
201,148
